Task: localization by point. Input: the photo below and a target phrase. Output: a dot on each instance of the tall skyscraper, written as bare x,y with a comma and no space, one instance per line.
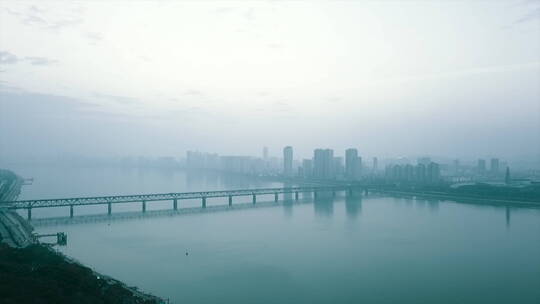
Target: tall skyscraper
494,168
322,163
337,167
408,173
481,166
307,166
287,161
420,173
433,173
424,160
456,166
507,179
265,153
375,165
352,164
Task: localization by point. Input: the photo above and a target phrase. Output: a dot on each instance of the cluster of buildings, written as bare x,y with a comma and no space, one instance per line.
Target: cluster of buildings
494,168
325,165
234,163
424,172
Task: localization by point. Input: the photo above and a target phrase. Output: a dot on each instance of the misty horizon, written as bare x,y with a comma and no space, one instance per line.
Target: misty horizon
456,79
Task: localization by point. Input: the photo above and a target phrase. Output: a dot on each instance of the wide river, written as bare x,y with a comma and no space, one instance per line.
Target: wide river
343,249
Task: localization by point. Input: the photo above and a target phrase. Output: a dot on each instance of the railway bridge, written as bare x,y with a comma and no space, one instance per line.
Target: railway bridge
174,197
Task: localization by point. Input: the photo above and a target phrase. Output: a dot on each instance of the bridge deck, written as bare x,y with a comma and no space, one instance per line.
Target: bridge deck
98,200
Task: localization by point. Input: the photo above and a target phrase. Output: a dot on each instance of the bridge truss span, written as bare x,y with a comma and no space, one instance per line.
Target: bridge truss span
116,199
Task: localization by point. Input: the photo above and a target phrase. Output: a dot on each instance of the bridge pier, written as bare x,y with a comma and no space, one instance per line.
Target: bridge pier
71,211
175,204
296,195
275,197
143,206
204,202
254,199
29,213
230,200
109,208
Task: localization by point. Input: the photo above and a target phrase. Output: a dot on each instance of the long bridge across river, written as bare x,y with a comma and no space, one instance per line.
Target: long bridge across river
174,197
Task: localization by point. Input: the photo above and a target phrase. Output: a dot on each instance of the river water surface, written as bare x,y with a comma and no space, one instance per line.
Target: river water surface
343,249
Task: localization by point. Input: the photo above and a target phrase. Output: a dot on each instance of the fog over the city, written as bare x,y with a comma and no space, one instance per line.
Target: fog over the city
455,78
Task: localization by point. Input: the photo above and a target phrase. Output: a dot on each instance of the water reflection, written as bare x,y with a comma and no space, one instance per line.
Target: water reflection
195,179
130,215
507,217
409,201
323,204
288,202
433,205
353,205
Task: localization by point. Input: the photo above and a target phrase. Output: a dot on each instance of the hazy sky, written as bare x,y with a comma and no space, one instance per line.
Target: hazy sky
456,78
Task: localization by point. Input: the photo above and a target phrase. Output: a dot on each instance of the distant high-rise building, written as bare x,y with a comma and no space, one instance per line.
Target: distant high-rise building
424,161
507,179
397,172
375,165
420,173
494,168
307,165
265,153
408,173
433,173
352,164
287,161
337,167
322,163
456,166
481,166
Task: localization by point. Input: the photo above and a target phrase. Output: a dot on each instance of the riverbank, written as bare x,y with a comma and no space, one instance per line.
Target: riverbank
38,274
462,198
35,273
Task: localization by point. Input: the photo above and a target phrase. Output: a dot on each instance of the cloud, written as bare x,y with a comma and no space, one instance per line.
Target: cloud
334,99
117,98
145,58
222,10
274,45
40,61
193,92
36,9
93,37
8,58
533,14
64,23
34,16
38,103
281,106
249,14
